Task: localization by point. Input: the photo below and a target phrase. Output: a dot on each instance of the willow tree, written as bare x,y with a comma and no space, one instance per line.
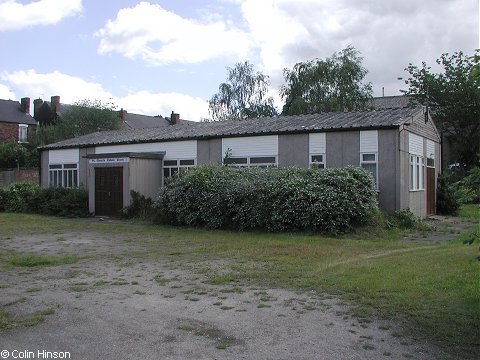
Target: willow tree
243,96
325,85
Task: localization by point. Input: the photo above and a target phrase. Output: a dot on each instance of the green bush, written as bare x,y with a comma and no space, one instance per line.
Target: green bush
28,197
20,195
273,199
448,197
469,187
140,207
404,219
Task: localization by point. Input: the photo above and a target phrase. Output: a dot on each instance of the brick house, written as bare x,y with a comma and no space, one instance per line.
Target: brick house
15,120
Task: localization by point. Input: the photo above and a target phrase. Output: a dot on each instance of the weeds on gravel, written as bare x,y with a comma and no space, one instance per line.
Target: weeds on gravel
30,260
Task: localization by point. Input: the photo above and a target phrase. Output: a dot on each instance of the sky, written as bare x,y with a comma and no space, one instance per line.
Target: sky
155,57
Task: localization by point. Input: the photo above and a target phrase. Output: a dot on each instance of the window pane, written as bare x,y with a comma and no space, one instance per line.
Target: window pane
187,162
166,173
431,162
372,169
368,157
70,178
174,171
75,178
317,158
262,160
231,160
55,166
69,166
169,162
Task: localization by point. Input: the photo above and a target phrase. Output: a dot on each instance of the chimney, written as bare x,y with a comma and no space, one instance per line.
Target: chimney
55,104
37,104
174,118
25,105
123,115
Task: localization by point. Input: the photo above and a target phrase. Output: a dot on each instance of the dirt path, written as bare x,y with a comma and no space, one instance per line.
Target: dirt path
110,306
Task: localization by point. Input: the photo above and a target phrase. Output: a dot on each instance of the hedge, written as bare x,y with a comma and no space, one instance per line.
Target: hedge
29,197
273,199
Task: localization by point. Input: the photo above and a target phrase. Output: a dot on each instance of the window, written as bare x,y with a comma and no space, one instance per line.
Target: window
63,175
251,161
368,161
317,161
171,167
22,133
417,169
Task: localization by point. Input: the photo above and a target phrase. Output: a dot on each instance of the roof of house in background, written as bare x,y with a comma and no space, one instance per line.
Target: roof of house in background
386,102
10,112
138,121
334,121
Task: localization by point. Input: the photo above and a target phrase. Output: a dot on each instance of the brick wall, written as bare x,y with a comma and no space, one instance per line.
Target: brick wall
9,176
8,131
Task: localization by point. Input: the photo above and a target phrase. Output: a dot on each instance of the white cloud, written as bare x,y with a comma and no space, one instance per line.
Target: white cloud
6,93
390,34
145,102
160,37
15,15
72,89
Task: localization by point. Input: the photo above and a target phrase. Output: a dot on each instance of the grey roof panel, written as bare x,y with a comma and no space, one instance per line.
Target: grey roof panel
375,119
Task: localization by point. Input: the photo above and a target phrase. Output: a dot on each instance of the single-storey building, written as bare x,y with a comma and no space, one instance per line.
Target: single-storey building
399,146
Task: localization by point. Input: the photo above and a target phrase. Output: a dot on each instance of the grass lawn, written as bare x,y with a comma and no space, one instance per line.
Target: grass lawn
432,288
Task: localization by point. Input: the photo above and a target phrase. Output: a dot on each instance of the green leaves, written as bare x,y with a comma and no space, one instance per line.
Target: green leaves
243,96
333,84
453,95
272,199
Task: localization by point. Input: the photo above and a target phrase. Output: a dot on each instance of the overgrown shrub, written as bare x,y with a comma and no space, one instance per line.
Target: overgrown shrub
448,199
404,219
469,187
273,199
28,197
19,196
140,207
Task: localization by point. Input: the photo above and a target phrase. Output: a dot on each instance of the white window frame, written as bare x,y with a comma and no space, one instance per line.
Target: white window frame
417,173
315,163
177,167
370,162
63,175
22,129
248,161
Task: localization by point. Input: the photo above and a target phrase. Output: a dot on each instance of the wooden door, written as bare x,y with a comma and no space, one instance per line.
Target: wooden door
431,191
108,190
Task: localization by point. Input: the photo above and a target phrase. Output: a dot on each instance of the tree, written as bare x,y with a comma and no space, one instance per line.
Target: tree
83,117
12,154
453,97
333,84
243,96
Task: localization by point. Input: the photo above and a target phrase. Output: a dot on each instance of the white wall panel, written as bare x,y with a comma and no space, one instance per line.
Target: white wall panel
64,156
251,146
317,143
430,149
415,144
369,141
174,149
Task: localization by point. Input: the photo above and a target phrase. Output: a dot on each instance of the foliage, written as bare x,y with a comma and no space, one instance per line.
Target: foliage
242,96
81,118
13,154
453,96
333,84
404,219
28,197
140,207
469,186
273,199
448,200
475,73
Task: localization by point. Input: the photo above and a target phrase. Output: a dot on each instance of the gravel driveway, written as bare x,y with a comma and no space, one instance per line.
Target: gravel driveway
110,305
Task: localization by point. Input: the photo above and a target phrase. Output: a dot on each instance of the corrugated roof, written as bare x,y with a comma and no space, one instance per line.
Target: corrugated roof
10,112
395,101
374,119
